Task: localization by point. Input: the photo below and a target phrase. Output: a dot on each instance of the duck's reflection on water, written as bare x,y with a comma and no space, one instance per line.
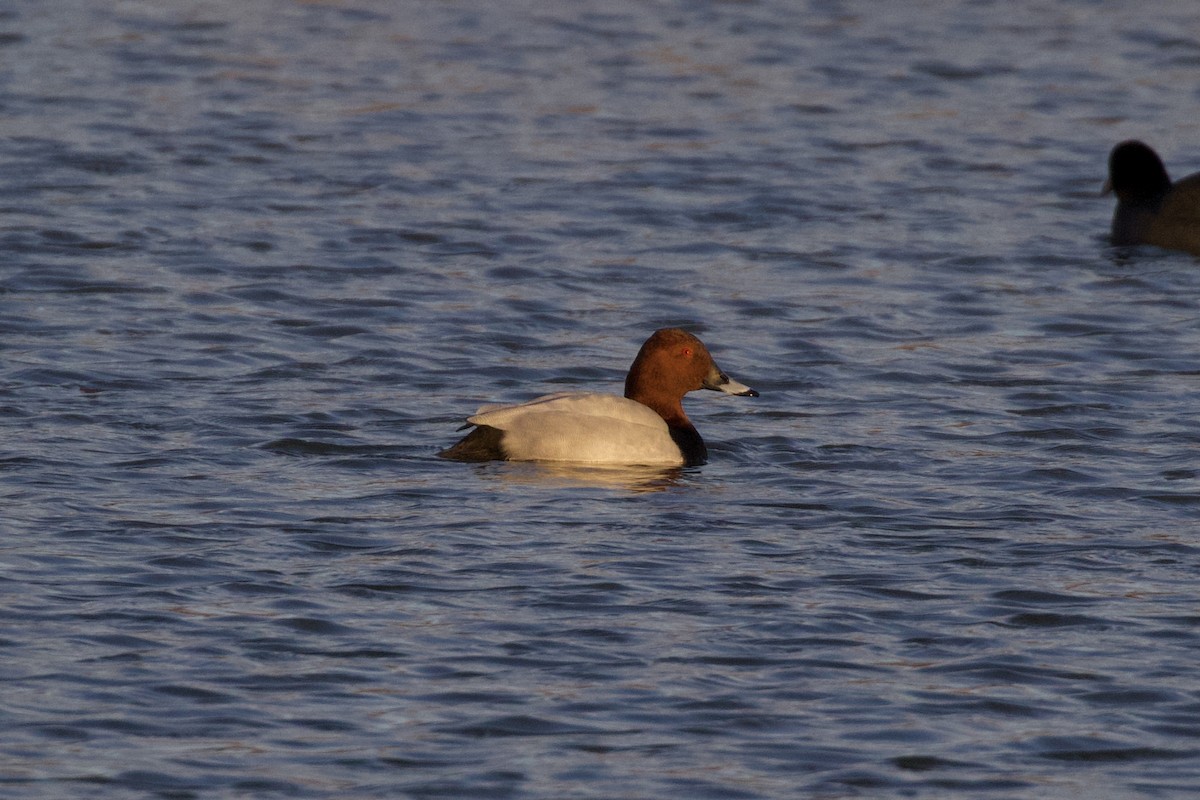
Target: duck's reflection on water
567,475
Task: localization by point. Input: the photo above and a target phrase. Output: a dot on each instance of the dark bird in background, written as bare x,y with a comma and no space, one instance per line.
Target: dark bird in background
1150,208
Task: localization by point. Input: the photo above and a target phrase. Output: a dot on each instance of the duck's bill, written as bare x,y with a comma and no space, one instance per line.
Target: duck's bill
720,382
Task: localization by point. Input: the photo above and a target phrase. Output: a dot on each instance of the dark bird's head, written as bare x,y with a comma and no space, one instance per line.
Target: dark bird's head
1136,174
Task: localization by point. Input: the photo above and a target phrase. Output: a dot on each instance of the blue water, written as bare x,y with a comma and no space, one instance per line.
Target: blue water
259,260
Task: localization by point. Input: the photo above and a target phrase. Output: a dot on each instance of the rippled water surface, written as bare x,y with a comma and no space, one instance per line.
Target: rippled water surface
259,260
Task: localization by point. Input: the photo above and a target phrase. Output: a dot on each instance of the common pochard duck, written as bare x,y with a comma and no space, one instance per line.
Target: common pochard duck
647,426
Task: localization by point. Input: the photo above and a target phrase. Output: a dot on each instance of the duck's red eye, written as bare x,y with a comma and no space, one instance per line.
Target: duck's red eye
686,352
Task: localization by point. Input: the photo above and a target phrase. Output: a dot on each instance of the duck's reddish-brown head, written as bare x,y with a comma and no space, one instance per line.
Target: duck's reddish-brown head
671,363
